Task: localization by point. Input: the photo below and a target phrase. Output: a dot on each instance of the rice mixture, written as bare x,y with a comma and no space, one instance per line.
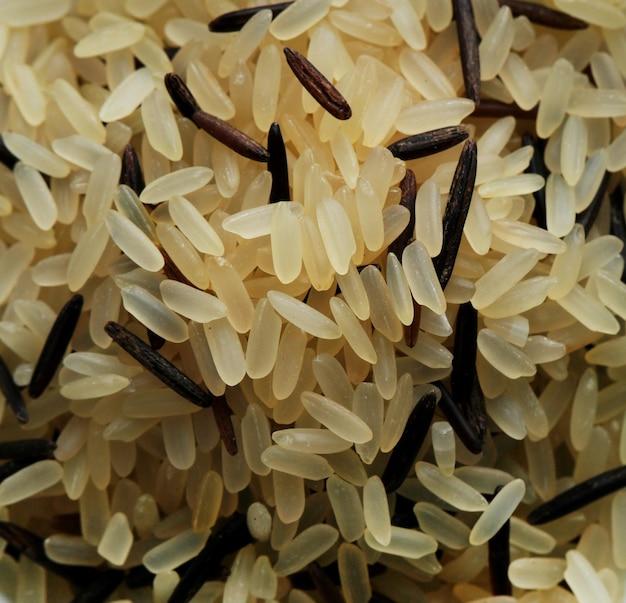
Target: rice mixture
323,302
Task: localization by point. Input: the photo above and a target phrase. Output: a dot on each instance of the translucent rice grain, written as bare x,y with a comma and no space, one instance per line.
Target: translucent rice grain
263,341
597,253
508,359
519,80
498,512
584,409
263,580
422,279
303,316
133,242
30,481
300,17
430,115
154,314
406,543
408,24
522,297
316,441
226,350
16,14
531,538
337,418
382,315
286,243
108,39
591,178
366,29
101,188
352,330
346,504
382,110
589,311
573,149
160,125
354,293
449,488
597,103
26,91
266,87
566,265
448,530
304,548
353,573
173,552
127,95
80,113
425,75
86,256
536,573
181,182
179,441
36,195
528,236
337,233
208,91
583,579
496,43
560,206
289,361
376,510
191,302
117,540
444,446
94,387
604,15
428,229
250,223
555,97
35,155
259,521
71,550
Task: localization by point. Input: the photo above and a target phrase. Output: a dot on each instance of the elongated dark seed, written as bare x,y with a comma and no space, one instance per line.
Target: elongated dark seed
12,393
499,559
468,46
236,19
618,223
131,170
325,587
277,165
31,546
537,166
408,192
55,345
158,365
230,136
181,95
317,85
428,143
230,537
456,211
21,449
411,332
476,412
6,157
579,496
493,108
471,440
225,425
403,457
542,15
588,216
101,588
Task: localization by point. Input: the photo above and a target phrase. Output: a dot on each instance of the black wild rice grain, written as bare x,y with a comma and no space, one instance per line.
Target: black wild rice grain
499,559
131,174
411,332
468,46
543,15
21,449
317,85
181,95
225,425
27,543
55,345
101,588
579,496
405,452
588,216
428,143
158,365
230,537
230,136
12,394
537,166
476,412
618,223
497,109
408,192
277,165
236,19
466,433
456,211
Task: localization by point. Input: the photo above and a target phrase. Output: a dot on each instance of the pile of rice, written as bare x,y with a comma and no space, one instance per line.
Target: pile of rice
294,313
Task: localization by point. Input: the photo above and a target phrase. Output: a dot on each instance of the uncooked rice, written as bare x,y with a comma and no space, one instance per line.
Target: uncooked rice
247,250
